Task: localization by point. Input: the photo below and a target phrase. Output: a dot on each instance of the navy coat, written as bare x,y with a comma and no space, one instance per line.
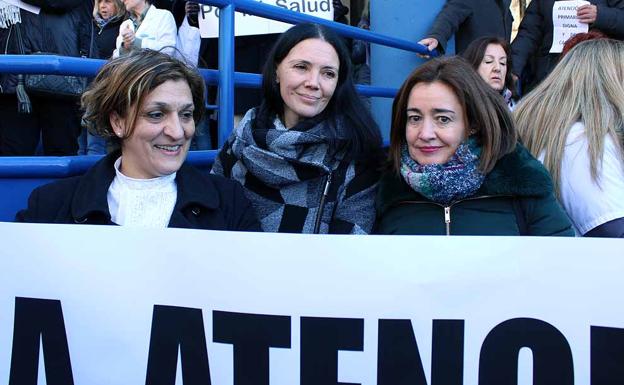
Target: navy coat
204,201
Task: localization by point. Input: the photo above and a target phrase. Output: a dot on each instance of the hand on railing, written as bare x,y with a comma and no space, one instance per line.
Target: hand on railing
430,43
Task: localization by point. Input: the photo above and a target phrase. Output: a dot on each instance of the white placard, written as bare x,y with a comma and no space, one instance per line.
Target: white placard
27,7
565,23
245,24
117,306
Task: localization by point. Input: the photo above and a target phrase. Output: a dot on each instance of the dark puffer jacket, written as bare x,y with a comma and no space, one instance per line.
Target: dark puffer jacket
530,48
62,27
516,198
471,19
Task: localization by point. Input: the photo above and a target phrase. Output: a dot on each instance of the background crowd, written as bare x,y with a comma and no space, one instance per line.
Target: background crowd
469,133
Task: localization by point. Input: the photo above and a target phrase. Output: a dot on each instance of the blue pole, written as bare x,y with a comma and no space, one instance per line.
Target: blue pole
257,8
226,72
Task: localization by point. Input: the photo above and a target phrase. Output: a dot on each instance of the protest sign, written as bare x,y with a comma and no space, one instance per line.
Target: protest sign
565,23
245,24
110,305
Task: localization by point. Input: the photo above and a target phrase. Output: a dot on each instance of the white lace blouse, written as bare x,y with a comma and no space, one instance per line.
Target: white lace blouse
145,203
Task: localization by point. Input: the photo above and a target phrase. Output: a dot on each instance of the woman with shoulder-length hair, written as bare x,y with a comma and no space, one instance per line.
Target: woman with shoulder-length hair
574,122
490,56
107,18
308,155
455,166
148,103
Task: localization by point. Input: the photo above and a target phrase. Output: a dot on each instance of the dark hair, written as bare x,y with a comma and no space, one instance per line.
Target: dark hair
345,108
476,50
580,37
122,84
487,114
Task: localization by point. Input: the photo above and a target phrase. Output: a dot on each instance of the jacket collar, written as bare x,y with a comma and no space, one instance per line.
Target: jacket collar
90,199
90,202
518,174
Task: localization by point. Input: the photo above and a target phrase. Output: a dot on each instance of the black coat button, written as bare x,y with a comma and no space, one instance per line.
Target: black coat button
80,220
196,211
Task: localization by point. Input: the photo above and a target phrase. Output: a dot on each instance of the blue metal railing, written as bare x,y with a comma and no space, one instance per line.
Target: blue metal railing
226,48
19,175
226,78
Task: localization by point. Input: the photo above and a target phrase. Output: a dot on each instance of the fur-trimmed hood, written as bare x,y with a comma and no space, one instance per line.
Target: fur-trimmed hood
515,174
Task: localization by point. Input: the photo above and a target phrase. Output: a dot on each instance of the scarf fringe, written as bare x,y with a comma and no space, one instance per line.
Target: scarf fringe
9,15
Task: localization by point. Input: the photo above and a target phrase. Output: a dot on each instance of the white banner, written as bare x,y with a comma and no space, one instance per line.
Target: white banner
565,23
111,305
245,24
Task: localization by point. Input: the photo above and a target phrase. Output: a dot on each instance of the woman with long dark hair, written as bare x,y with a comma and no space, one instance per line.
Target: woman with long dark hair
308,155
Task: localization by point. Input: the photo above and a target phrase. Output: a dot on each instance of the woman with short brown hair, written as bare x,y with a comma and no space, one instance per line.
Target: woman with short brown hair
149,103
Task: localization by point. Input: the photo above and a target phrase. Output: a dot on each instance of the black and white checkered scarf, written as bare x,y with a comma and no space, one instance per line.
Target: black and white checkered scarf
284,172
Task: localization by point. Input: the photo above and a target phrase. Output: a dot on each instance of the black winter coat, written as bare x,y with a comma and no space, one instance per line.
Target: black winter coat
105,39
204,201
470,20
62,27
530,57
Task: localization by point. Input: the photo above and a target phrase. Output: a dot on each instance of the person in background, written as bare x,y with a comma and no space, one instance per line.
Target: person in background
455,166
146,102
532,60
148,27
469,20
61,28
491,57
308,156
107,17
581,139
580,37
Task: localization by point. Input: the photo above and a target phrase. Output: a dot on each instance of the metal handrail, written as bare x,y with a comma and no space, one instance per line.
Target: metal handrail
225,77
226,47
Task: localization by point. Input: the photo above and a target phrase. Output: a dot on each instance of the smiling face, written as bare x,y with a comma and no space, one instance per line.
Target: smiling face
162,133
107,8
436,123
307,79
493,67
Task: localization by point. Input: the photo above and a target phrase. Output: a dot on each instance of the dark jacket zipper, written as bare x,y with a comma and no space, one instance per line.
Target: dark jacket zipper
319,214
447,209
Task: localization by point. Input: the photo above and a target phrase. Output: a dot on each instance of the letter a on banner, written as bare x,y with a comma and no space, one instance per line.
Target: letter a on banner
39,320
176,328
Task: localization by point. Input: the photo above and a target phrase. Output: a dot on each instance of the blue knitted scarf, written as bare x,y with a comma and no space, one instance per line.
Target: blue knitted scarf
449,182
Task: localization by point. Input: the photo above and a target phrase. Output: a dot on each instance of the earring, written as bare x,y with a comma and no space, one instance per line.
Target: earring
472,131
